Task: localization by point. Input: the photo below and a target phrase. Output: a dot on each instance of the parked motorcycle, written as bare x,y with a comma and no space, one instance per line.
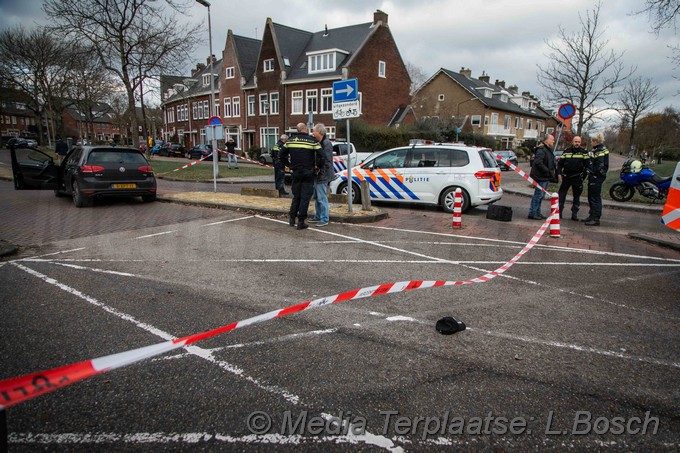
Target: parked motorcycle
635,176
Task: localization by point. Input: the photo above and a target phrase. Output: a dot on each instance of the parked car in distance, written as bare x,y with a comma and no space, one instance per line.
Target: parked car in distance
508,155
17,141
86,173
174,150
159,147
427,174
200,151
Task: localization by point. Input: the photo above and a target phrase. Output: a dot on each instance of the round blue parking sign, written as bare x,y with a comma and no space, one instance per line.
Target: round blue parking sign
566,111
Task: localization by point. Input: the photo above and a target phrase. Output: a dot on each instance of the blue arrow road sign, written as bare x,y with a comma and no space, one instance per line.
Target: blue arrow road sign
345,90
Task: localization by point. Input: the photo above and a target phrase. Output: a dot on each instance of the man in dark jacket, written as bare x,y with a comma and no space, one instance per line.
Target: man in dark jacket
597,173
324,175
572,168
542,171
279,173
300,153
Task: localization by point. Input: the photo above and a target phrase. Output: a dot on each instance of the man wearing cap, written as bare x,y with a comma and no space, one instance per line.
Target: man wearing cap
597,173
301,154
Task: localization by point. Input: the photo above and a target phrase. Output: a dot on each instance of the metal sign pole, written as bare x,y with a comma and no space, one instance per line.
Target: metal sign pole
349,171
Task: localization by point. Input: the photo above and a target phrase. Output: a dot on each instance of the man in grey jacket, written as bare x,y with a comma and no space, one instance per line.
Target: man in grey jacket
324,175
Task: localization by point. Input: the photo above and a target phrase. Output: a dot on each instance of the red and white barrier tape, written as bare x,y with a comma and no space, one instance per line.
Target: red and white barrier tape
520,172
22,388
244,158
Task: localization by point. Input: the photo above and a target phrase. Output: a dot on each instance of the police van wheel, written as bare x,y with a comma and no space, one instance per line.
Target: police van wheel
356,195
448,199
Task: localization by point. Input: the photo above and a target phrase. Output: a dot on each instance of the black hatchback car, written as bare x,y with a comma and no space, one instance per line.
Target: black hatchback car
86,172
201,151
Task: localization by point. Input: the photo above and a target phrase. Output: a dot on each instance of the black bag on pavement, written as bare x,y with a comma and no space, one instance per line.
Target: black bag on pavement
502,213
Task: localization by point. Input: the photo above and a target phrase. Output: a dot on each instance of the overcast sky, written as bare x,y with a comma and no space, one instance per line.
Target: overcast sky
505,39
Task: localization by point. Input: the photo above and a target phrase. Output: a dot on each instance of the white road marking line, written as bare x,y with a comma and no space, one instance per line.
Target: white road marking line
179,439
92,269
542,246
194,350
293,336
50,254
227,221
155,234
375,440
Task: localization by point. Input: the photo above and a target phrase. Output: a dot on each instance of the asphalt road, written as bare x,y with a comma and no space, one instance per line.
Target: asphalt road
575,347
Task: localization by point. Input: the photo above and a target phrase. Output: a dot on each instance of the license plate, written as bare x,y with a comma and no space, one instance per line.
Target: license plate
124,186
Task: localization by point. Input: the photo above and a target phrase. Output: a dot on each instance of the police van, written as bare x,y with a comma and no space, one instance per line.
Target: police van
427,173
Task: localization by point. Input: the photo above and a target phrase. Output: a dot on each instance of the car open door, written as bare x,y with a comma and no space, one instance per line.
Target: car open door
33,170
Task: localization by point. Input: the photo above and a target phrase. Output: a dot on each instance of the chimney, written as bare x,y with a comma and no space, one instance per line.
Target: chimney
513,88
211,58
325,33
500,83
465,72
525,94
484,77
199,68
379,16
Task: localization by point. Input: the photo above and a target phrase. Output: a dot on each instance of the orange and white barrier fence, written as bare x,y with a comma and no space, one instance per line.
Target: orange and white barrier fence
671,210
22,388
554,216
457,209
244,158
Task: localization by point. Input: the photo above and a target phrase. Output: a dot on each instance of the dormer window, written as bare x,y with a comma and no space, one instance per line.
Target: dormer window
269,65
324,61
486,92
229,72
206,80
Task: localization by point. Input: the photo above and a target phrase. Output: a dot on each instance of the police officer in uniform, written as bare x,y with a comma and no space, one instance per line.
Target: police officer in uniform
279,174
572,168
301,154
597,173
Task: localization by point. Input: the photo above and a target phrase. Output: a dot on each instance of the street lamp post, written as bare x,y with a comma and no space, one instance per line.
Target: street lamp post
212,98
457,112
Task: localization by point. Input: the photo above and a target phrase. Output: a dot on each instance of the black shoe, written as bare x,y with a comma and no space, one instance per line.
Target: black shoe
593,222
291,221
536,217
587,219
574,217
283,192
302,226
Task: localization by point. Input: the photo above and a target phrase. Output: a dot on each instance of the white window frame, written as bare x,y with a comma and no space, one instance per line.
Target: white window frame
268,65
264,104
494,119
206,80
229,73
274,103
327,100
251,105
217,107
321,62
227,107
507,121
382,69
476,120
297,103
272,133
313,96
206,109
236,107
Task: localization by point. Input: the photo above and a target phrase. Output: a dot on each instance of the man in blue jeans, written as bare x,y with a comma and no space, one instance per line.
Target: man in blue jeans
323,176
542,171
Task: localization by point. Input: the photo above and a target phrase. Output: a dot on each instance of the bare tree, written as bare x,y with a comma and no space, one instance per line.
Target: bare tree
132,38
662,13
92,86
582,71
418,76
637,97
33,63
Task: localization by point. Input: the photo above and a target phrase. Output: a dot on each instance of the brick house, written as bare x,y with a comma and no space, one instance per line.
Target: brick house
77,124
268,86
479,106
16,120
